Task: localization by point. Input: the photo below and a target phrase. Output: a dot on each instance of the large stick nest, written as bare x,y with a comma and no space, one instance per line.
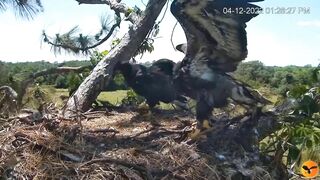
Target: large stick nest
102,145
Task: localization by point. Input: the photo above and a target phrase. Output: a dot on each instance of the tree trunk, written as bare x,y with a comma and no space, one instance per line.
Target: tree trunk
103,72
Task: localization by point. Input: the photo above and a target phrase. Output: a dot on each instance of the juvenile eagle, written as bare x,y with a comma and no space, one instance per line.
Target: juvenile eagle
216,44
154,83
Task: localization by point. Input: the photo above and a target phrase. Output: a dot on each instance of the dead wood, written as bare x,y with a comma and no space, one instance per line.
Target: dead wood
8,100
103,72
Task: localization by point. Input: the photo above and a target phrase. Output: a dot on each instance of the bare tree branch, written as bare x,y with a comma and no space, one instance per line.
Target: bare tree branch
60,70
94,1
117,6
9,91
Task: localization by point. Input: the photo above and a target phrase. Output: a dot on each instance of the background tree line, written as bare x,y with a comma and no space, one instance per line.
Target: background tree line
280,79
254,73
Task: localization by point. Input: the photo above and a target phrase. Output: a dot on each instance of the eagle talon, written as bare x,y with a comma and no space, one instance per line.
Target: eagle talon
195,134
200,132
206,124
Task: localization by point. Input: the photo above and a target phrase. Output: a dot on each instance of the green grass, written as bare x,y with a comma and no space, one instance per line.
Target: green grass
269,94
54,95
62,92
114,97
50,94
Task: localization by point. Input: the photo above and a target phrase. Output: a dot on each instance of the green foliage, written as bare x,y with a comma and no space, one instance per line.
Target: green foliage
74,82
254,73
4,74
39,93
37,96
297,91
316,75
146,46
114,97
129,11
280,79
132,99
118,83
75,63
115,42
61,82
13,74
309,103
97,56
300,131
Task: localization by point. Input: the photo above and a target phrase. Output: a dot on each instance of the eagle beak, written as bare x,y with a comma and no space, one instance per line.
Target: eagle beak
182,48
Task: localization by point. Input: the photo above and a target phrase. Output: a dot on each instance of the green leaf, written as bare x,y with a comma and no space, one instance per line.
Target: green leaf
105,52
309,143
297,91
128,12
293,154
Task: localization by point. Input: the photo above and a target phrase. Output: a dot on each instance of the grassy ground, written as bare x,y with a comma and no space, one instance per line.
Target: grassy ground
114,97
48,94
59,96
269,94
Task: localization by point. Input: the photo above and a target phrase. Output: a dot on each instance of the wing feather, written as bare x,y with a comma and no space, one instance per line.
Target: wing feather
213,31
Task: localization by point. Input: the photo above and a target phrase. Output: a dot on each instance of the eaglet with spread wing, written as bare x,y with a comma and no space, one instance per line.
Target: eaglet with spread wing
216,44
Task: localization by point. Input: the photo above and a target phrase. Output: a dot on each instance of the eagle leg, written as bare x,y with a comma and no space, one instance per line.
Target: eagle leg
204,109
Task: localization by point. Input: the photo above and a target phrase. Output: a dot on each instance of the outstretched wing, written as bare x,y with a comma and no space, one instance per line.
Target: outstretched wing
215,30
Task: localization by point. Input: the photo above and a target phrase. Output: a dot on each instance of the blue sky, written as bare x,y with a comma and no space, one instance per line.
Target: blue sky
274,39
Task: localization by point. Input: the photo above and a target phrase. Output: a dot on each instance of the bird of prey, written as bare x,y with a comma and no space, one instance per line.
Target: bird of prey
306,168
154,83
216,44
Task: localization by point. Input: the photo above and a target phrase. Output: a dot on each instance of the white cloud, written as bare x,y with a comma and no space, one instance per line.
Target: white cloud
313,23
